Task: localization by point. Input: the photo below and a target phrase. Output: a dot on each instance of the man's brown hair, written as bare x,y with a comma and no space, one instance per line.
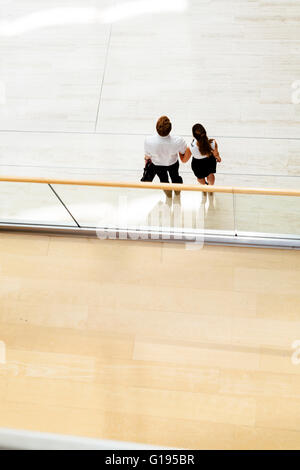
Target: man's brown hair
163,126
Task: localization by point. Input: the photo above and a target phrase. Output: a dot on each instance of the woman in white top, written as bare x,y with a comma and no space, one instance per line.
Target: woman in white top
205,156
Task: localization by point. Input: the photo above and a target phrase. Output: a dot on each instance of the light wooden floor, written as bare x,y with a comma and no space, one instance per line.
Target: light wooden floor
150,342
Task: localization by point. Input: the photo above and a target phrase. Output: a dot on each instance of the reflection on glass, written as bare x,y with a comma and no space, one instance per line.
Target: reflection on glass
137,8
148,210
64,16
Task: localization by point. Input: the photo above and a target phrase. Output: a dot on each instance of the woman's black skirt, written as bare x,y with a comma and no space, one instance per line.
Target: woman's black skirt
204,166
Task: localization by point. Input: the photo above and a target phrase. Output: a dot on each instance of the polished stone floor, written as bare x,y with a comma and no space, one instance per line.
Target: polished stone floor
82,83
150,342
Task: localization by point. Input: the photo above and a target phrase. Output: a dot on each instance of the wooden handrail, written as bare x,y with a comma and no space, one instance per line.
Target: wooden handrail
165,186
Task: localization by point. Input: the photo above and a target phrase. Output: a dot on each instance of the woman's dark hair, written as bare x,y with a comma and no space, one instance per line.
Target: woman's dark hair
199,134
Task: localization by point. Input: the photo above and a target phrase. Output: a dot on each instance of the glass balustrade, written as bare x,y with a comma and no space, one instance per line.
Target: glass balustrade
149,213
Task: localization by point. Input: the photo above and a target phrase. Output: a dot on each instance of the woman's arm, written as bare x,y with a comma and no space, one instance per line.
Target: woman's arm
185,158
216,152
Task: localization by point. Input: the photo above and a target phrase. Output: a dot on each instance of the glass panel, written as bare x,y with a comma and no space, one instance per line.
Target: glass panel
147,209
269,216
31,203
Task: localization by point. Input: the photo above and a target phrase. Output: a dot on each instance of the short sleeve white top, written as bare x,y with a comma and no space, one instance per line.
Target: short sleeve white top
163,151
196,152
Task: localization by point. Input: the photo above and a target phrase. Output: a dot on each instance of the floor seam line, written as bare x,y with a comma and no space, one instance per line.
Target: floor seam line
139,134
103,78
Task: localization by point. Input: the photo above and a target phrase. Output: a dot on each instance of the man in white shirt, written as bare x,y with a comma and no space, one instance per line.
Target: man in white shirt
163,150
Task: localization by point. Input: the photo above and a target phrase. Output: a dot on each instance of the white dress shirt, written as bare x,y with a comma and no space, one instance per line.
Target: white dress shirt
163,151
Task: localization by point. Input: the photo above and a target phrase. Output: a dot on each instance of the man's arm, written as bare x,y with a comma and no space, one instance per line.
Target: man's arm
146,150
183,150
